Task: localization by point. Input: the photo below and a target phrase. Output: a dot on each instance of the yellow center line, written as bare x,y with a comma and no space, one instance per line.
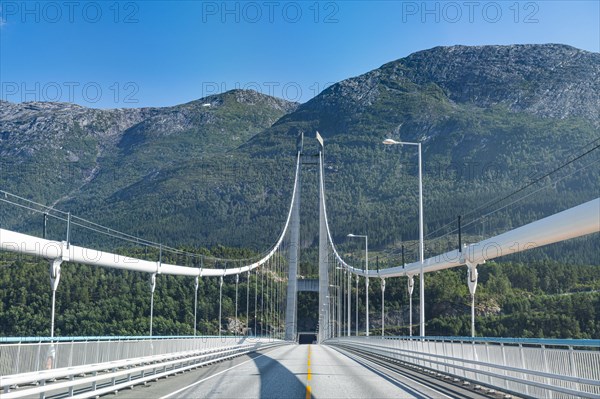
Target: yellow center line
308,377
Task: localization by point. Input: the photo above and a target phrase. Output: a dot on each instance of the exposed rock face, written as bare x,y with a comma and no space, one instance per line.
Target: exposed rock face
218,166
28,127
552,80
64,146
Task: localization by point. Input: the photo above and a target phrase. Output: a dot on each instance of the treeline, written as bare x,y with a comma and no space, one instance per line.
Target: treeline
536,299
514,299
92,301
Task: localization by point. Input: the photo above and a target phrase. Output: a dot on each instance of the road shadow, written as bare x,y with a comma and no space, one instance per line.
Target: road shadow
276,380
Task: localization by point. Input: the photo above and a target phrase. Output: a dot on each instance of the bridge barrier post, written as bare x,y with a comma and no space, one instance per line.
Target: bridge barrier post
462,355
487,360
504,363
18,358
545,361
71,354
85,353
573,367
452,346
523,364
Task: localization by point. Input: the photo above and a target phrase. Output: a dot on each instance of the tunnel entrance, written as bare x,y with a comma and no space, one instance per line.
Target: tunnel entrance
308,312
306,338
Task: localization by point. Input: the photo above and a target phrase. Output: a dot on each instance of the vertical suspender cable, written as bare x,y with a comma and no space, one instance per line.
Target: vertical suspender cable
356,326
220,301
255,302
237,280
197,283
266,329
248,301
262,301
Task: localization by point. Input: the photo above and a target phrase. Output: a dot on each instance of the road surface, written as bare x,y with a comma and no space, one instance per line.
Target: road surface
297,371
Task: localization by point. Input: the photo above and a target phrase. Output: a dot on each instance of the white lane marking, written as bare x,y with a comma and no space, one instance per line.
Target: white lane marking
375,365
209,377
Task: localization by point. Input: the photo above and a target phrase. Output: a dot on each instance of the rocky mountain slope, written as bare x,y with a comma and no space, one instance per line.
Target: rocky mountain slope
52,152
490,118
504,132
407,95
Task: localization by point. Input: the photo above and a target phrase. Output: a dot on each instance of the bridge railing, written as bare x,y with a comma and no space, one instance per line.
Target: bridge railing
540,368
25,355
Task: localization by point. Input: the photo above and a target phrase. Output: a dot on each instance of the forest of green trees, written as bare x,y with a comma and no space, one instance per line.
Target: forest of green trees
514,299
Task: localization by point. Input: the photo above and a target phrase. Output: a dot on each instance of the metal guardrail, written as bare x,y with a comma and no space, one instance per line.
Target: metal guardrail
16,340
113,363
25,356
532,368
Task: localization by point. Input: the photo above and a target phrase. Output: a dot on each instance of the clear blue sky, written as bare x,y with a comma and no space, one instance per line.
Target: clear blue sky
153,53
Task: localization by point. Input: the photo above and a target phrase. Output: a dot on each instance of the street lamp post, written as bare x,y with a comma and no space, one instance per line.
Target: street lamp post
349,275
356,318
366,278
382,307
421,243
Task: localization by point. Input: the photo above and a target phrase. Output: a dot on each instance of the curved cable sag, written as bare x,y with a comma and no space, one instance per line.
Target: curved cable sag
573,222
31,245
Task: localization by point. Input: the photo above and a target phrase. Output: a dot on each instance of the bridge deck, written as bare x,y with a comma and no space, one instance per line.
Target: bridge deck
293,371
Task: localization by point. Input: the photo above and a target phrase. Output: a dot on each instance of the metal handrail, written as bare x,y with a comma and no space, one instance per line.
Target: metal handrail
34,356
178,361
528,367
116,338
584,343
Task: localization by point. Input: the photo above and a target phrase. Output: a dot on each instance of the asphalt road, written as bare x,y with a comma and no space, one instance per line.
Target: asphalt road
295,371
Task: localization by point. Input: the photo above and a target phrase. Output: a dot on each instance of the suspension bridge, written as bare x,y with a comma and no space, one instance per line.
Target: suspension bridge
267,361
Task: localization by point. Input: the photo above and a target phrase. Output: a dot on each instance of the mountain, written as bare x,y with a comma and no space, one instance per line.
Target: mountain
75,157
412,96
491,119
509,134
